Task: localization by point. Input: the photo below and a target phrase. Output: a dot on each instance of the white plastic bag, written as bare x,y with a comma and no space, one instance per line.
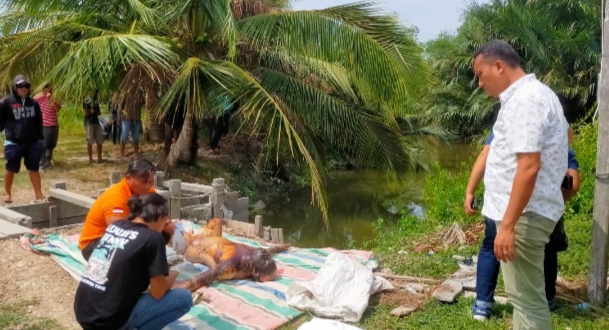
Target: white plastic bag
341,289
319,324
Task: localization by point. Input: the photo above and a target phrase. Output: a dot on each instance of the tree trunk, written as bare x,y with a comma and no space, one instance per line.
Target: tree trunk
155,130
185,149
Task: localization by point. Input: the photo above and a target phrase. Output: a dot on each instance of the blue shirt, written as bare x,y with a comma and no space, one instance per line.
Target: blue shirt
573,164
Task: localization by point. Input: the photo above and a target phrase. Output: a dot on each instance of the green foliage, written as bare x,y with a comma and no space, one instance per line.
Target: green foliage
443,198
559,41
575,262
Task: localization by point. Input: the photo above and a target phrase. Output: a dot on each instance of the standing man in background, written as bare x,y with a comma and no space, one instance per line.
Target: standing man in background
50,112
92,127
131,122
522,192
21,120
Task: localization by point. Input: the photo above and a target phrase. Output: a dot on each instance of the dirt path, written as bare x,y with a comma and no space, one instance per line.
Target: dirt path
29,276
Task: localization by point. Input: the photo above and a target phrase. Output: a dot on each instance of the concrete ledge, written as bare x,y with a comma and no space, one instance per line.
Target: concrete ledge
194,187
74,198
9,229
15,217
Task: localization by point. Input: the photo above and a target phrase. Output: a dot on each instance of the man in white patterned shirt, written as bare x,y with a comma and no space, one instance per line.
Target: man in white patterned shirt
524,171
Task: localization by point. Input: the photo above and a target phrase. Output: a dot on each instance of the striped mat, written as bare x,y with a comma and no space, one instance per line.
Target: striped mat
236,304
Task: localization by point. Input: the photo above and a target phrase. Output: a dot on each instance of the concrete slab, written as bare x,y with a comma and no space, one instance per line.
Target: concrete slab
71,197
448,291
9,229
470,285
15,217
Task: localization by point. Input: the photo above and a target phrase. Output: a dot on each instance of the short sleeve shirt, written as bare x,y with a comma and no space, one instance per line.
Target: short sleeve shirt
128,255
531,120
111,203
49,115
573,164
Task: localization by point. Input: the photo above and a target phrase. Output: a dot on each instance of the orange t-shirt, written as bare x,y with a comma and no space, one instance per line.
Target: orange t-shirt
112,203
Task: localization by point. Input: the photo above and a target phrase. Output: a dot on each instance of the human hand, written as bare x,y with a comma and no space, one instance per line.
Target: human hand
467,205
504,244
179,244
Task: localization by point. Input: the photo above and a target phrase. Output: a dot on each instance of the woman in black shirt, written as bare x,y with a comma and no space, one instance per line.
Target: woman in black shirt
129,258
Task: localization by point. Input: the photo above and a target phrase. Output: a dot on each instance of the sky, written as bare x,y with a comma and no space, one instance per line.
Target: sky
431,17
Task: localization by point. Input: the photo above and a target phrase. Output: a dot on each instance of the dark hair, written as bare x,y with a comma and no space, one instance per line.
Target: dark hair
150,207
140,168
499,50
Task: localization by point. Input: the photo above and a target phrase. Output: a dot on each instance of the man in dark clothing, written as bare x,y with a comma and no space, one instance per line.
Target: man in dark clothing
21,121
93,127
219,125
114,129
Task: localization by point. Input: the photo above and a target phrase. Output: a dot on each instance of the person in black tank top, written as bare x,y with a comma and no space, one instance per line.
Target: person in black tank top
128,258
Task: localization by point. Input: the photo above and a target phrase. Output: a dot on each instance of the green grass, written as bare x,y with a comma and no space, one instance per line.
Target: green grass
15,316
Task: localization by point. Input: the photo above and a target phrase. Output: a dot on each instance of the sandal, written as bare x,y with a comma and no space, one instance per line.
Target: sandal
8,201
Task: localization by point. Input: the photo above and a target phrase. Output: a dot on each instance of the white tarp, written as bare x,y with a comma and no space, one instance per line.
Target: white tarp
319,324
341,289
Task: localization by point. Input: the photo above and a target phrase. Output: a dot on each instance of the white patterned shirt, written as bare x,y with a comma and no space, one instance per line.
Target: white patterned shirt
531,119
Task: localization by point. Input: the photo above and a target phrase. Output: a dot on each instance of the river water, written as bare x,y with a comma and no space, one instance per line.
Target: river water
356,200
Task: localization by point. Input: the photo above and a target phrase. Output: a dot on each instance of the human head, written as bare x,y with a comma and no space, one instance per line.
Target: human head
47,89
21,86
497,66
263,266
140,176
149,208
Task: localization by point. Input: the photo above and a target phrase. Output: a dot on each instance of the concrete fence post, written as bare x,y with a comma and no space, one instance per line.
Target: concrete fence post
218,197
115,177
258,225
175,195
159,179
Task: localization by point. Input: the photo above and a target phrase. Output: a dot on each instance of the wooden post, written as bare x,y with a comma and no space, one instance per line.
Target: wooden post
159,179
597,285
115,176
175,194
218,198
281,235
258,225
53,216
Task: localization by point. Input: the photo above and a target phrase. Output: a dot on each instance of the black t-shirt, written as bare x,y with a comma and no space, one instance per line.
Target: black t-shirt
92,119
119,271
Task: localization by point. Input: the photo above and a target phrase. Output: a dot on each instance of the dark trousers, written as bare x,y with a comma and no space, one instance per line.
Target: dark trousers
31,153
488,265
51,135
219,127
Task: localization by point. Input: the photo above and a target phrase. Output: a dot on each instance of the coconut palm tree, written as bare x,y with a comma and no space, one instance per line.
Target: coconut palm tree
558,40
345,77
